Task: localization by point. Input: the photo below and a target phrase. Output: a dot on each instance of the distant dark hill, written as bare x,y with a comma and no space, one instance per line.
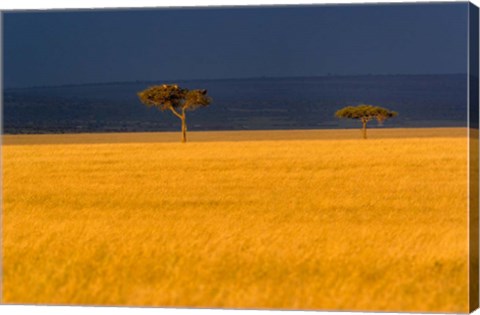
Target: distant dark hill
240,104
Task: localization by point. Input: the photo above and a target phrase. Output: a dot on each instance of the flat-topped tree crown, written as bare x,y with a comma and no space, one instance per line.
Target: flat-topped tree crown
176,99
365,113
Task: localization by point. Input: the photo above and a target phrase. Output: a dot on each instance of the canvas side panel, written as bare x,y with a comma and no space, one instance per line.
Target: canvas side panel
1,155
473,158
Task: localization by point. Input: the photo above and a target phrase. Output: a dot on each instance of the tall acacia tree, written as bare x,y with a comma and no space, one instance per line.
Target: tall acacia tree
176,99
365,113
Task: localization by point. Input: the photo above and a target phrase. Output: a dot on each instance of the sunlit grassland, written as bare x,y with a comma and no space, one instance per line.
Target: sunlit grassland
351,224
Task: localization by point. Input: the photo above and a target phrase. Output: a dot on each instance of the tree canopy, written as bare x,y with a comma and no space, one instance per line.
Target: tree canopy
171,96
365,112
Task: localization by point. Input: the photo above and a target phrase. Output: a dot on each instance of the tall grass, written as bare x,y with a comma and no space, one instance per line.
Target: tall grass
313,224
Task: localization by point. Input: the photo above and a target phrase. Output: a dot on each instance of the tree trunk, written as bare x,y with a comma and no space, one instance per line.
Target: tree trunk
364,129
184,127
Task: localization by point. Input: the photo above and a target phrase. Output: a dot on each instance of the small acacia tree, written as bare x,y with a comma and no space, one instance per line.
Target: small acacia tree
365,113
176,99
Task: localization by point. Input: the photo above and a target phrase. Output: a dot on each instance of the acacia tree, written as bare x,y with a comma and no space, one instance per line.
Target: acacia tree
176,99
365,113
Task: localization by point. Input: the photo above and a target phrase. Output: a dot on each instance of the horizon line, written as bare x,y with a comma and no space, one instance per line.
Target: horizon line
226,79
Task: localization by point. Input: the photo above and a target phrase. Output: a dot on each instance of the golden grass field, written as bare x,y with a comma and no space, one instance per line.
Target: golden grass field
226,221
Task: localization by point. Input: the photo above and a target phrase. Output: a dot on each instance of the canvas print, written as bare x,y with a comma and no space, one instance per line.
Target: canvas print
316,157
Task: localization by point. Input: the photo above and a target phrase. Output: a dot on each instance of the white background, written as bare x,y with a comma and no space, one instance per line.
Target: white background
52,4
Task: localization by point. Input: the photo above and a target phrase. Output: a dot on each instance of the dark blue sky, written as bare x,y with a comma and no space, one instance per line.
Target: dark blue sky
55,48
